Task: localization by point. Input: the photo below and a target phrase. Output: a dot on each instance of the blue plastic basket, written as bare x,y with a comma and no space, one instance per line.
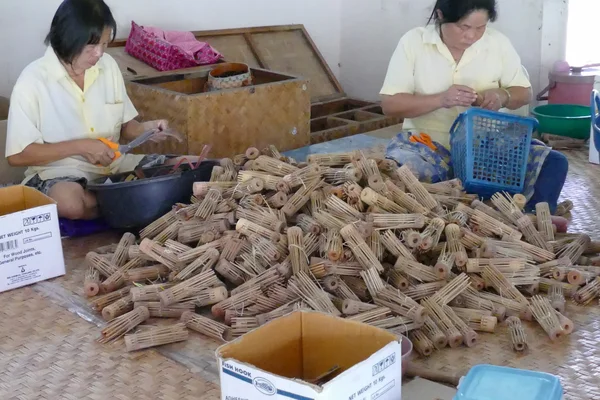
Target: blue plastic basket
490,151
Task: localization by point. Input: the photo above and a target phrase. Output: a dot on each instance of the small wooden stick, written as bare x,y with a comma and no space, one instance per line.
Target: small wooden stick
119,326
517,334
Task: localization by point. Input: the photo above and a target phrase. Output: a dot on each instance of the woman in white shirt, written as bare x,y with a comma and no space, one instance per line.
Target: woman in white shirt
440,70
65,101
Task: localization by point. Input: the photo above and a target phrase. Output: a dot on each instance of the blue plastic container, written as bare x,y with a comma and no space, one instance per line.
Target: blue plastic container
490,151
489,382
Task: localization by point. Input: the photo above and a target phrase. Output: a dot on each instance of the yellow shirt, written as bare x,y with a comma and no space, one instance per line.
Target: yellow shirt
422,64
47,106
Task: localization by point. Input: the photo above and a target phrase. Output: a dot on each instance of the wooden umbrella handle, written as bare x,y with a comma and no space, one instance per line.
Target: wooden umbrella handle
452,378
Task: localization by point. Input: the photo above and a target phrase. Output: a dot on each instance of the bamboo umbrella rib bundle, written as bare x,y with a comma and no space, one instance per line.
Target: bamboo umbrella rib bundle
517,334
340,235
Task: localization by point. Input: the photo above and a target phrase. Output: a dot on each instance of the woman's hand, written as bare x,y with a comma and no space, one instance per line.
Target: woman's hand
493,99
458,96
162,129
95,152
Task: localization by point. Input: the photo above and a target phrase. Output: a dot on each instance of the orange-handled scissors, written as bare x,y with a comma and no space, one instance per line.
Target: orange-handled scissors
423,138
120,149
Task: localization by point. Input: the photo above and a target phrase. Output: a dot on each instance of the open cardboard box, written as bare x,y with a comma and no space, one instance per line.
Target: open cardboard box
284,358
30,243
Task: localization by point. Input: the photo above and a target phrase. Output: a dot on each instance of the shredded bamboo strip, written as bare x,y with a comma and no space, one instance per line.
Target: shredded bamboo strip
306,288
99,303
517,334
398,221
270,182
344,292
328,221
306,174
360,249
504,265
156,336
247,228
157,310
330,160
488,225
231,272
443,321
531,234
119,326
470,240
374,242
263,217
546,316
338,176
297,249
403,199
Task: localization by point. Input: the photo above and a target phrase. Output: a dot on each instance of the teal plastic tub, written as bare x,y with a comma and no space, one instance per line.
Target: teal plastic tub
567,120
490,382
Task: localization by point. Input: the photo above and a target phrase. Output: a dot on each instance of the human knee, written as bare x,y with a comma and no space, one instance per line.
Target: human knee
73,208
72,201
558,161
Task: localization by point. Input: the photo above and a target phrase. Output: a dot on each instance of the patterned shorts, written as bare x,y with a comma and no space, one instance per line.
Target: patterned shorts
37,183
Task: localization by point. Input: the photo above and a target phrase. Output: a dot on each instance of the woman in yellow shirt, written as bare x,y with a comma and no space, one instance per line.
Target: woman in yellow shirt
63,102
440,70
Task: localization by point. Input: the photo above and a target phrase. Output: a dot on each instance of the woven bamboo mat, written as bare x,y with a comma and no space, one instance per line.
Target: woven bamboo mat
49,353
576,359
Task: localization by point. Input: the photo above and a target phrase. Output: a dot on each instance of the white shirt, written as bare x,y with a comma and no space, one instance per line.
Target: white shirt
47,106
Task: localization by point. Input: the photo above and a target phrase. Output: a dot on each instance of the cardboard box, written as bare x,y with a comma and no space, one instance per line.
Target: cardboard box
279,359
30,243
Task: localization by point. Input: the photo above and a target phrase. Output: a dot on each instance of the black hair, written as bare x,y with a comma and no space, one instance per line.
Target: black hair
78,23
455,10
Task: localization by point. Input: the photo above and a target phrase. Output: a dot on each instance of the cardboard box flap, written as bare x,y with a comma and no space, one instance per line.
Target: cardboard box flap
305,345
20,198
284,48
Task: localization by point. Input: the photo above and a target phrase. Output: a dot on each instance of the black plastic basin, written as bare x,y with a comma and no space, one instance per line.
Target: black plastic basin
134,205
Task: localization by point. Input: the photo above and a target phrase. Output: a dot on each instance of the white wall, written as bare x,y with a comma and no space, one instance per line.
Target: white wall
22,31
371,30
